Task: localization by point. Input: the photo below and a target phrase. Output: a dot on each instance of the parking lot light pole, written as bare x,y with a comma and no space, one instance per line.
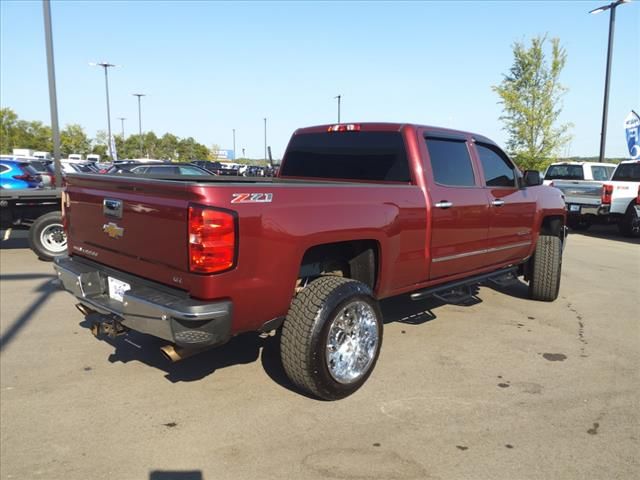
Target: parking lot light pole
338,97
107,66
612,20
53,100
122,119
265,139
234,143
140,95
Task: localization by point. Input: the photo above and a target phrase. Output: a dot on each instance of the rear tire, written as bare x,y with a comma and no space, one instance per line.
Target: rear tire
629,226
47,237
545,269
331,337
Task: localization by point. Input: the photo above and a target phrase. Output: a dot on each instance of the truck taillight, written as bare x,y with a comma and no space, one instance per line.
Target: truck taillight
344,127
638,197
607,191
64,203
212,240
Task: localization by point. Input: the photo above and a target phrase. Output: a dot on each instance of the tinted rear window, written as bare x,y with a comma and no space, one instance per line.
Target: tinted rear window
627,172
564,172
374,156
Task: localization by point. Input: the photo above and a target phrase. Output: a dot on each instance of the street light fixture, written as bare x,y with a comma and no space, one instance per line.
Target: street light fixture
612,20
338,97
107,66
122,119
140,95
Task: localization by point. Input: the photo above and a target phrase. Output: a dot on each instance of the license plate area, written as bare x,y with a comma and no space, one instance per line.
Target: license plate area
117,288
574,208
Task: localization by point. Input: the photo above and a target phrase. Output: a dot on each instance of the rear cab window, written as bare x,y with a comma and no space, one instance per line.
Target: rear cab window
627,172
564,172
376,156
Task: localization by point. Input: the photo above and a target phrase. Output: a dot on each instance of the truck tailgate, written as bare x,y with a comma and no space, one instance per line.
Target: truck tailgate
138,222
580,192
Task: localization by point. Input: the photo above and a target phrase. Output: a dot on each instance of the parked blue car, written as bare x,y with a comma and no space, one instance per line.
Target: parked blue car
15,174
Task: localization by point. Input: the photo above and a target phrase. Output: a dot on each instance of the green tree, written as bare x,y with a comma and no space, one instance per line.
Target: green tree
531,94
74,140
168,147
16,133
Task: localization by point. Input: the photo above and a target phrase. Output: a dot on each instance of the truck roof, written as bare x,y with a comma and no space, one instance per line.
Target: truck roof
395,127
585,163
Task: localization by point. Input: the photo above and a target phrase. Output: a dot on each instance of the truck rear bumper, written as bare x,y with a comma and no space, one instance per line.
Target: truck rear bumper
580,209
156,310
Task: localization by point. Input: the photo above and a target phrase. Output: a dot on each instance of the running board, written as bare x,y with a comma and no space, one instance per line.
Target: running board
444,291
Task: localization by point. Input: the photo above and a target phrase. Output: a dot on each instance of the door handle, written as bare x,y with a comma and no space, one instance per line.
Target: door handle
444,204
497,203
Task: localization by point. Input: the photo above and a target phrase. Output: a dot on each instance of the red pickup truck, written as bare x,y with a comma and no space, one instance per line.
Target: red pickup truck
357,213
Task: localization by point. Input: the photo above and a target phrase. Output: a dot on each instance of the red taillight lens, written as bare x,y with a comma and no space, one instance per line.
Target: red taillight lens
212,240
638,197
607,191
344,127
65,203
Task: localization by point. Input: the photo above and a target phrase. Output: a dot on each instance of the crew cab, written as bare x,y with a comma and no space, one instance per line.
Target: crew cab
357,213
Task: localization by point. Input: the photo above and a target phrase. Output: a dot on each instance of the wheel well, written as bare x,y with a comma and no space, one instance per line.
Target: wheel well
356,259
552,226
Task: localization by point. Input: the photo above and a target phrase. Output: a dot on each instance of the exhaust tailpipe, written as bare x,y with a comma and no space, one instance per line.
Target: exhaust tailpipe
175,354
84,309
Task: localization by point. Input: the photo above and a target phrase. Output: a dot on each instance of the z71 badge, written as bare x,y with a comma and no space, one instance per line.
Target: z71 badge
251,197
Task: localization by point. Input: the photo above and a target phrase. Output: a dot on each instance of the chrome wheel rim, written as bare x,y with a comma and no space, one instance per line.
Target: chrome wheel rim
53,238
352,342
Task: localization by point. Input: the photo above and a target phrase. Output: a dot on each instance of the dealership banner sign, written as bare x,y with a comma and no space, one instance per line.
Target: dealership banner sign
632,131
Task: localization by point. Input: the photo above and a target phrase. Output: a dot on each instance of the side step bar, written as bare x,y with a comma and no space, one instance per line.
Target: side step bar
443,292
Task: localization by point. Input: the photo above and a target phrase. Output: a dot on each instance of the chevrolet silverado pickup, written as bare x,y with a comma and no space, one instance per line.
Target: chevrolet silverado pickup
357,213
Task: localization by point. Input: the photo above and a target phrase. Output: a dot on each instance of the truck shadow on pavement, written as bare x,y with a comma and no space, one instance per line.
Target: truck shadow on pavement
243,349
604,232
251,347
45,289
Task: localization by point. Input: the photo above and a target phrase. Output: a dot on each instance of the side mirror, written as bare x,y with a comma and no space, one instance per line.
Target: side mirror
532,178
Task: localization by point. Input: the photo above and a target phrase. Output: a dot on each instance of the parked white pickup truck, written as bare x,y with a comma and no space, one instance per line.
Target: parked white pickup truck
581,183
623,193
613,201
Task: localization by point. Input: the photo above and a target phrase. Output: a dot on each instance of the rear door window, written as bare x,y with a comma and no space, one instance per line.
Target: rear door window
186,170
564,172
450,162
601,173
498,170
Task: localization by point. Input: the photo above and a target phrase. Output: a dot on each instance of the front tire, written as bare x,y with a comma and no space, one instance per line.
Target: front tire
47,237
545,269
331,337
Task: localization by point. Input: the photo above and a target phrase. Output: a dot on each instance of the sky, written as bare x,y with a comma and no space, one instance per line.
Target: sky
210,67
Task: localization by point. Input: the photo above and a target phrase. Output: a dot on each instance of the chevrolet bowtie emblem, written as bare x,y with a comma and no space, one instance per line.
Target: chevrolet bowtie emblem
113,230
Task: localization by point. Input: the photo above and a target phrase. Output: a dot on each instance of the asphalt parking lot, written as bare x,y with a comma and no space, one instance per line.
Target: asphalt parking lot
503,389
